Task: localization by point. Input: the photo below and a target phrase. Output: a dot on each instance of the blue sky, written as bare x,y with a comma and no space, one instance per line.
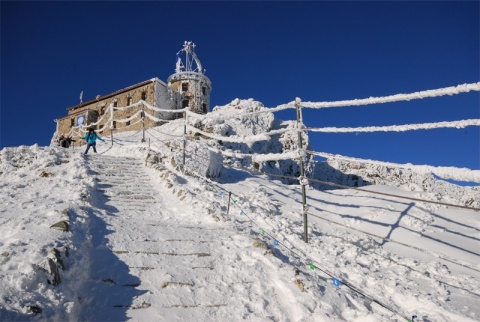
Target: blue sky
269,51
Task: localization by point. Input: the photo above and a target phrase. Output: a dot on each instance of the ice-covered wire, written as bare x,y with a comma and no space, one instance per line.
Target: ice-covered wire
124,108
155,119
459,174
256,157
129,118
156,109
160,140
241,139
239,115
100,120
168,134
129,136
398,128
453,90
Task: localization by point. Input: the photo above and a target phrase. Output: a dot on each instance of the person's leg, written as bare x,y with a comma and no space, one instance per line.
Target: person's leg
88,148
94,144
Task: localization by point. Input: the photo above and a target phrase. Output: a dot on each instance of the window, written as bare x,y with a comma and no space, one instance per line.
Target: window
115,103
144,96
129,101
204,90
102,110
185,103
184,87
205,108
72,122
128,123
114,124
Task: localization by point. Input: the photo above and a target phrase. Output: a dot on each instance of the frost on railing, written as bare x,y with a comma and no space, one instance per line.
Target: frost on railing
453,90
399,128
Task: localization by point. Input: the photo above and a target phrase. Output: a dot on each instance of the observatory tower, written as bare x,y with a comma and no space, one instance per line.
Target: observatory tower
189,87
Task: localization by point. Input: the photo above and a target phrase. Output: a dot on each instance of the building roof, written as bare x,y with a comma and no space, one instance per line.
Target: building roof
126,89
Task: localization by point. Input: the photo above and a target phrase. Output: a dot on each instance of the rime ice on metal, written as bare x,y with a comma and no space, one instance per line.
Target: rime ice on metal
189,87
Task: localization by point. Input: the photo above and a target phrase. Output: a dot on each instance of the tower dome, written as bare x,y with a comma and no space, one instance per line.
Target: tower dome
189,86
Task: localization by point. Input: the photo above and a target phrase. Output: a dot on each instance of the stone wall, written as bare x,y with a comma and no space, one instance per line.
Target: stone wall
154,93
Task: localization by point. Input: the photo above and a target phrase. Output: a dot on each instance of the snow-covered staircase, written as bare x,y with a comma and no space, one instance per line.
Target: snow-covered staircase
152,260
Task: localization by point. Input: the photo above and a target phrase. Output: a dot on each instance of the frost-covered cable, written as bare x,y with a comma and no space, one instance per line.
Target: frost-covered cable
453,90
99,120
124,108
103,128
241,139
164,140
398,128
239,115
168,134
134,123
156,109
458,174
131,135
129,118
260,157
155,119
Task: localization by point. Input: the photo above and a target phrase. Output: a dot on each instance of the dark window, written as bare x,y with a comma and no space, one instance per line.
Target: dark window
114,124
128,123
205,108
115,104
72,122
129,101
204,90
185,103
144,96
184,87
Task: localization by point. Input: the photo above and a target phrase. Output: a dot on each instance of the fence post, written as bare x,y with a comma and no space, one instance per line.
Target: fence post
184,137
143,124
111,122
229,198
302,171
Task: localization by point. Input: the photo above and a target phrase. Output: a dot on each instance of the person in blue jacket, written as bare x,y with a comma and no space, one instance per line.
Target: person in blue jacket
91,138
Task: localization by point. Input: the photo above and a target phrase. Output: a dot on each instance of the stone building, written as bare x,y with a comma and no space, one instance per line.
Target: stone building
187,87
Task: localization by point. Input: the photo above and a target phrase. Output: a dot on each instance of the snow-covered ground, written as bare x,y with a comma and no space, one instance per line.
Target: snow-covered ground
147,242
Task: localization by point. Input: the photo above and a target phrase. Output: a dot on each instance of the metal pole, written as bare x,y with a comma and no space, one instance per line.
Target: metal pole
184,137
302,172
111,122
143,123
229,198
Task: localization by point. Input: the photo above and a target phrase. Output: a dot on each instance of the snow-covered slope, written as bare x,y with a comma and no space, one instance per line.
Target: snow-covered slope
148,240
